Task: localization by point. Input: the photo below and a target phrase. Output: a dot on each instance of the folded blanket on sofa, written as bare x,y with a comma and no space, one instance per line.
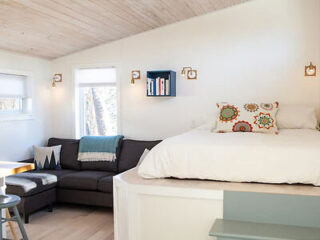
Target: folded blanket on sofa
98,148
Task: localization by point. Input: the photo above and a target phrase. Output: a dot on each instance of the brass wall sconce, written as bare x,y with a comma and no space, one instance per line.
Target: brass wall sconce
135,75
310,70
192,74
56,79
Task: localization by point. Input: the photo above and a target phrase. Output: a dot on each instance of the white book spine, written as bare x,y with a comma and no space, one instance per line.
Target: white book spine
157,86
162,87
167,87
148,86
152,92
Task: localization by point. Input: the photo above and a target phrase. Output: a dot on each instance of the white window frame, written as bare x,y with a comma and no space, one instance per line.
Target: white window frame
77,112
27,103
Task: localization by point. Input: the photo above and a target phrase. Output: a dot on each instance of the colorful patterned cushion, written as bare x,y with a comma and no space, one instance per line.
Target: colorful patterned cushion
249,117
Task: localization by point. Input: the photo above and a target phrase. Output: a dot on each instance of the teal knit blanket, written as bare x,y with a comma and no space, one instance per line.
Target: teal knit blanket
98,148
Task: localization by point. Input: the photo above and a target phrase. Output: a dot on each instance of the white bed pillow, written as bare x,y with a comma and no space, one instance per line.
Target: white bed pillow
209,126
293,116
143,156
210,123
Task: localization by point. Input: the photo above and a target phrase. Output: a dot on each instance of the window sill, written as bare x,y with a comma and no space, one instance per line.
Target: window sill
18,117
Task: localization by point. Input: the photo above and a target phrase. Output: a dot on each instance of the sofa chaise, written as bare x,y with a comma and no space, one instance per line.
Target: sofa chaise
89,183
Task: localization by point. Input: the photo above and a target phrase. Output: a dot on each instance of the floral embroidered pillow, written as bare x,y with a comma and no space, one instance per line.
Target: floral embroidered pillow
248,117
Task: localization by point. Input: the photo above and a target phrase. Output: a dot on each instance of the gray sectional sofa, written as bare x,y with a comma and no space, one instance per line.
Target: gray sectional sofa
87,183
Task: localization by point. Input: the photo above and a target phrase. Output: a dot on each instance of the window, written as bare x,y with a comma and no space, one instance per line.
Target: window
96,102
15,99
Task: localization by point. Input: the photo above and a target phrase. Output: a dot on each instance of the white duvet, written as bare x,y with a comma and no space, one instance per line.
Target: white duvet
292,156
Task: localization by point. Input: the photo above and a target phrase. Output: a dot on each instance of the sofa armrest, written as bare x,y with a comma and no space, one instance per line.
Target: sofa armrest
30,160
131,151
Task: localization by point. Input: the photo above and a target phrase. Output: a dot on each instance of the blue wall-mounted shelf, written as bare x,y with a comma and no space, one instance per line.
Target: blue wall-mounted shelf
154,86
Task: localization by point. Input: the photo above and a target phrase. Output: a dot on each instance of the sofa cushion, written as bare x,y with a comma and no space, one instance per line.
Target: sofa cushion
69,152
104,165
30,183
57,173
105,184
83,180
131,151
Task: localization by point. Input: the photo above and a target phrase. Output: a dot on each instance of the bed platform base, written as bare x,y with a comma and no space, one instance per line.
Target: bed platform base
186,209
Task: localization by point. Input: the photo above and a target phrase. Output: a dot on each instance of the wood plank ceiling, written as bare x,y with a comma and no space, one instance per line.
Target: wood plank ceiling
54,28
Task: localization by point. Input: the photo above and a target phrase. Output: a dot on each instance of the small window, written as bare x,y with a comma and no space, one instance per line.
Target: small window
10,104
15,99
96,102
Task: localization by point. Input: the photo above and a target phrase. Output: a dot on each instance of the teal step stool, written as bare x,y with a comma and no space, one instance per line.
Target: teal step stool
11,202
236,230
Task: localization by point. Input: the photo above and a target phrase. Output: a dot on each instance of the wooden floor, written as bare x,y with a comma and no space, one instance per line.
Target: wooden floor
70,222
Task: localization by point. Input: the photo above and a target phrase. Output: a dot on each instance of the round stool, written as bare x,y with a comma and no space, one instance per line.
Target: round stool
11,201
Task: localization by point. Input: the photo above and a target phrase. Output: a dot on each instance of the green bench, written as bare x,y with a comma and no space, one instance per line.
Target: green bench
232,230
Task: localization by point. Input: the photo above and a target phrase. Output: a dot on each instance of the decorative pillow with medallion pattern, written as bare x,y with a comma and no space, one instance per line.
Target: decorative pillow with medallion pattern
248,117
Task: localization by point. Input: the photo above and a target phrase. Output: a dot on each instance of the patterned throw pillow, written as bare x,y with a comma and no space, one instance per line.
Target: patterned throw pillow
249,117
47,157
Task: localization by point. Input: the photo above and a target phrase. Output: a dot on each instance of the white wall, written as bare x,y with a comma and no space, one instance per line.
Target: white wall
17,137
253,51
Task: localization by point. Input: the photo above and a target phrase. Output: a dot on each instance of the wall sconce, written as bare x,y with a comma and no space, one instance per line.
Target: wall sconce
192,74
56,78
310,70
135,75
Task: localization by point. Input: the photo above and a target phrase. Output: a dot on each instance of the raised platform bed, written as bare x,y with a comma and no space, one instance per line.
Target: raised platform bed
168,209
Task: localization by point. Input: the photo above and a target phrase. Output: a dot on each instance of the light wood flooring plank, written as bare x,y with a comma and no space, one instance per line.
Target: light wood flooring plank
70,222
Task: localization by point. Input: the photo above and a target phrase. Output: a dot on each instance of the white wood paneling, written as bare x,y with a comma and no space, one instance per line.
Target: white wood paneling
54,28
143,212
173,209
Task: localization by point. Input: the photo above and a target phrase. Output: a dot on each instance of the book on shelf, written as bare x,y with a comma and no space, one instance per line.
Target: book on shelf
152,87
168,83
158,87
149,90
167,87
162,90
